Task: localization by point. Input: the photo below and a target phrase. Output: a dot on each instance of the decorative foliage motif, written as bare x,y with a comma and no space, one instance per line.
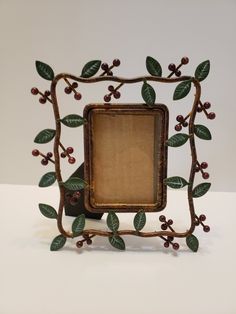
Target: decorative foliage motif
176,182
75,184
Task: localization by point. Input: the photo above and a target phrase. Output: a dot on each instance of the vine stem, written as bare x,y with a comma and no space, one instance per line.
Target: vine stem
57,144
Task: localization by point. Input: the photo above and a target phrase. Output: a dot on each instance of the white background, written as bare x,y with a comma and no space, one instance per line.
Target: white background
67,34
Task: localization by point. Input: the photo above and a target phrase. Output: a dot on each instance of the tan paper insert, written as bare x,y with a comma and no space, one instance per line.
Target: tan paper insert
123,165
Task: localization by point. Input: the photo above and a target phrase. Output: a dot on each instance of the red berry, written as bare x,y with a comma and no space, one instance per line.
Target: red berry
68,90
117,94
79,244
206,229
73,200
34,91
74,84
170,238
185,124
211,115
176,246
185,60
71,160
196,222
49,155
77,194
107,98
205,175
42,100
116,62
207,105
162,218
110,73
170,222
204,165
178,73
35,152
178,127
44,162
89,241
111,88
47,93
202,217
180,118
166,244
199,109
171,67
164,226
197,169
77,96
63,155
70,150
104,66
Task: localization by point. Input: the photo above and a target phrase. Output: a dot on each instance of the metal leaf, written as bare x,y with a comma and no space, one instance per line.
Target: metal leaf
73,120
148,94
176,182
47,179
182,90
139,220
44,70
177,140
45,136
74,184
153,66
202,132
202,70
91,68
48,211
58,243
113,221
201,189
78,225
192,242
117,242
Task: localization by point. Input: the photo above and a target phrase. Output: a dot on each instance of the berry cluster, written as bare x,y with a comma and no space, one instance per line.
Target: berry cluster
67,153
164,226
113,92
44,96
175,69
73,198
182,122
203,107
201,167
86,239
46,158
199,221
72,88
107,69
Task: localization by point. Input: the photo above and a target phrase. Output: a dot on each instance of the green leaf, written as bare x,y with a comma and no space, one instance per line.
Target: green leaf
139,220
202,70
44,70
91,68
45,136
113,221
48,211
177,140
78,225
74,184
201,189
192,242
202,132
73,120
153,66
148,94
58,242
182,90
175,182
47,179
117,242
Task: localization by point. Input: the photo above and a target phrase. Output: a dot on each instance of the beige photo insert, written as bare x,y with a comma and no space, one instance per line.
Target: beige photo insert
125,157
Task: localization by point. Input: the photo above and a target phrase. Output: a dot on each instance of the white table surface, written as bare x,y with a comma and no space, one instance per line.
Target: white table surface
145,279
